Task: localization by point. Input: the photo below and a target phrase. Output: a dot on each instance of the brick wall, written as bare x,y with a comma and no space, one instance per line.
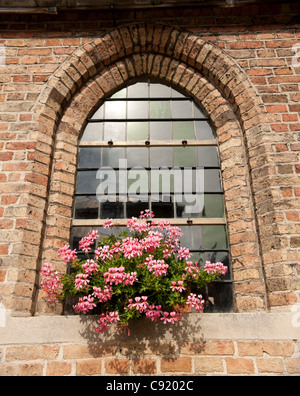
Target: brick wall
237,64
209,358
218,344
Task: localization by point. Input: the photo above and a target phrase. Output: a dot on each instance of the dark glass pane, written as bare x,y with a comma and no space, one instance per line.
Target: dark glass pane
192,237
189,205
208,156
160,130
134,209
112,210
111,157
213,205
163,209
86,207
77,233
215,237
220,297
87,182
196,257
219,257
89,158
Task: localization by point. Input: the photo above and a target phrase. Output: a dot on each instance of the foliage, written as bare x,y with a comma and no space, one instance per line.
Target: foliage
142,272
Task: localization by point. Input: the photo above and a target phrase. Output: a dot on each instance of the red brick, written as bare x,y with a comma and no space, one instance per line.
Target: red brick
58,369
239,366
176,365
276,109
88,367
144,366
116,366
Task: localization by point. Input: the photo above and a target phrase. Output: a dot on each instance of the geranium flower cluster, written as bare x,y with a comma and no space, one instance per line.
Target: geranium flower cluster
144,272
50,282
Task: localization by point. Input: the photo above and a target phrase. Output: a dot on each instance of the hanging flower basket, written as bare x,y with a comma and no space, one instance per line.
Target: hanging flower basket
142,272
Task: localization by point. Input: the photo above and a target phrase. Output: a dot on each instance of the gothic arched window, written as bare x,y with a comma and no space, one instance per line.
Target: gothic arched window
150,147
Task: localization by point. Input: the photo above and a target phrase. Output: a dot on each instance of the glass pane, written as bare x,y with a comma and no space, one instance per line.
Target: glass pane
108,183
220,297
162,181
160,109
216,257
89,158
114,130
215,237
185,156
87,182
161,156
137,130
182,109
197,257
115,110
112,156
189,205
198,113
208,156
137,157
112,210
204,131
139,90
212,180
213,205
160,130
120,94
137,183
138,110
183,130
163,210
176,94
99,114
86,207
192,237
77,233
159,91
134,209
93,132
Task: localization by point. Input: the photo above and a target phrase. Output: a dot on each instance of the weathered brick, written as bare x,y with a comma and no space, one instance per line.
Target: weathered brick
239,366
176,365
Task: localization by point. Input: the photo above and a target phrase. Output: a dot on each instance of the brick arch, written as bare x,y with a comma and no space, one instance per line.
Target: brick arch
245,249
155,39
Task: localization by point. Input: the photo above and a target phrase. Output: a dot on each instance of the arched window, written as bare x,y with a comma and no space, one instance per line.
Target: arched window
150,146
